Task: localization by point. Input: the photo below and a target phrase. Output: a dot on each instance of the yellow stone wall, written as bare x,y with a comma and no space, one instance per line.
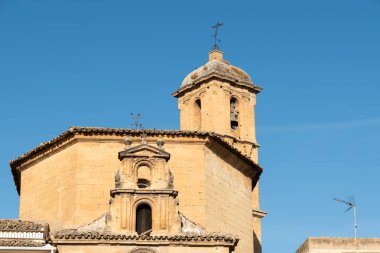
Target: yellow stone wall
126,249
49,187
215,110
228,198
72,187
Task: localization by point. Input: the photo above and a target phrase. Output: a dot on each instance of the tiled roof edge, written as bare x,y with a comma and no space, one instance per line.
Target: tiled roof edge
21,225
21,243
93,235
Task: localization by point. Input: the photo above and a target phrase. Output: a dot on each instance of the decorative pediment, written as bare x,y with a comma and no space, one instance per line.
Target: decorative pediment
144,166
144,151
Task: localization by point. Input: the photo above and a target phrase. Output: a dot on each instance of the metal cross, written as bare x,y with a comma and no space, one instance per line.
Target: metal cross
216,27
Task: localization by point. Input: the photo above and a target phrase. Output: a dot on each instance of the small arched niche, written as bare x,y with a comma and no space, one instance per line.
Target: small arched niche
143,250
197,114
234,114
143,219
144,176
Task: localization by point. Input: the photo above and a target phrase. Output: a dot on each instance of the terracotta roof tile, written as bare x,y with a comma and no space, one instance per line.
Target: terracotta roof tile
21,243
20,225
94,235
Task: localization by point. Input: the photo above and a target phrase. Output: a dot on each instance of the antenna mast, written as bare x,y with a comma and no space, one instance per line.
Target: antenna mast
350,204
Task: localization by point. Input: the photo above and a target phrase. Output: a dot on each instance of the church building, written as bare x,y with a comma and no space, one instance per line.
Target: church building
116,190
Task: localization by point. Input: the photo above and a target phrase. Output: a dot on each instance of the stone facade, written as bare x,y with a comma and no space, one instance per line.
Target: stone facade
200,182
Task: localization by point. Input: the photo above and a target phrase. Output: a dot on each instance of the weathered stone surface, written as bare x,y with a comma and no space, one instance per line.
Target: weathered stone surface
340,245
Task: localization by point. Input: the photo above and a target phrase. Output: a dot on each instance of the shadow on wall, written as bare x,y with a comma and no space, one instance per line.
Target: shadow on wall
256,244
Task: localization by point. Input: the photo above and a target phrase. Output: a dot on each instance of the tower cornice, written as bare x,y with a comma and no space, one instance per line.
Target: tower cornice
215,76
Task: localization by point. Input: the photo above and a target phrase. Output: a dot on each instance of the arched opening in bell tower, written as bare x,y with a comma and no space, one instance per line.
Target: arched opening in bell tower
143,219
234,114
197,114
143,176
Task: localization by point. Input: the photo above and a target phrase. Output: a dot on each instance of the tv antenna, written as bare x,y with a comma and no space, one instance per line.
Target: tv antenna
351,205
216,40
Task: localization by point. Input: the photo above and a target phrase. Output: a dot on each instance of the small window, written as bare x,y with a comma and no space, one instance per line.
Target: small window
234,114
143,219
197,114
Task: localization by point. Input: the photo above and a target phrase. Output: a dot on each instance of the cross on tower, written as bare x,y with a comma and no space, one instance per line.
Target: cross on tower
216,27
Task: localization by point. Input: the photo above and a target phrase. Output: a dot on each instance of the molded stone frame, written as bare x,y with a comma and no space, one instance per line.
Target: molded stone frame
160,196
144,155
164,205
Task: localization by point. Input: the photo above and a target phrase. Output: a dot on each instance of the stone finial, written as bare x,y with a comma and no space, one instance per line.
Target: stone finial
143,139
215,55
160,144
127,142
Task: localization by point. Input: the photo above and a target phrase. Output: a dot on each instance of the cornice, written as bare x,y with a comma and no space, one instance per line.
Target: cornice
259,213
169,192
233,82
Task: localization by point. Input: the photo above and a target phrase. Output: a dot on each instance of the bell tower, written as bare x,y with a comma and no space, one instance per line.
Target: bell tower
218,97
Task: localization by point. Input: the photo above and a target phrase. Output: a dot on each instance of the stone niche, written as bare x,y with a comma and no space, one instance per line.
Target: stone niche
143,250
143,201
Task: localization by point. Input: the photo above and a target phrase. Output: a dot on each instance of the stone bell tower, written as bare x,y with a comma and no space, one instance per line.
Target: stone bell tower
218,97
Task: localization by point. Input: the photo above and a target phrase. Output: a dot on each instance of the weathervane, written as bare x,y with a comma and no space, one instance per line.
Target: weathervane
351,204
139,126
136,120
216,40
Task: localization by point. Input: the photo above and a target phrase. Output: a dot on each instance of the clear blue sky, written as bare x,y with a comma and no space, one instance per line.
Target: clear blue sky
92,63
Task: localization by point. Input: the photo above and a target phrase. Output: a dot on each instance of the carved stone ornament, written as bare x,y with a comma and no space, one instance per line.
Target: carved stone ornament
160,144
127,143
